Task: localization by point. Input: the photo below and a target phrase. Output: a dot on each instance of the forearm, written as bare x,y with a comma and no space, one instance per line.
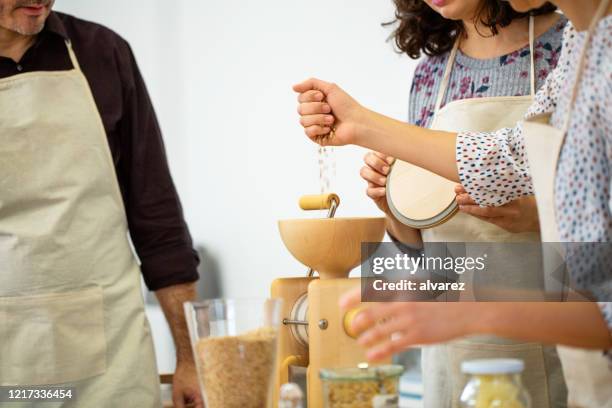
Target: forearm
578,324
171,300
403,233
430,149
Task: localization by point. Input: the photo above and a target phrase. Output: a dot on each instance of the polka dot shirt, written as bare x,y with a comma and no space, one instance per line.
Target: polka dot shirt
493,166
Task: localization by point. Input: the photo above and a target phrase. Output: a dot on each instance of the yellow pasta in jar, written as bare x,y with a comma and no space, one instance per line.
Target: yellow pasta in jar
498,392
494,383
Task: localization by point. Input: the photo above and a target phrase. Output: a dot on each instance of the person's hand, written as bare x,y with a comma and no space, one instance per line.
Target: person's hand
330,116
186,387
390,327
520,215
375,172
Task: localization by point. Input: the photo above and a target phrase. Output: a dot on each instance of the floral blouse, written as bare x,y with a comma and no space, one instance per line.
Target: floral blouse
493,166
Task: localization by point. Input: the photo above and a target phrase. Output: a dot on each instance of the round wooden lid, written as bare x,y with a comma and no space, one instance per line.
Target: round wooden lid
419,198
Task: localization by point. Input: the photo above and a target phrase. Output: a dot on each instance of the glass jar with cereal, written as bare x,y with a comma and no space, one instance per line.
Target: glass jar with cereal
367,387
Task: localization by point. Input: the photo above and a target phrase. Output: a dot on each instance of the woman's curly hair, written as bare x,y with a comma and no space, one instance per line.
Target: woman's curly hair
420,29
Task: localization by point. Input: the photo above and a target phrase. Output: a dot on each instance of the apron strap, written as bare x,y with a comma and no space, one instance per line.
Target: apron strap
447,74
453,56
603,6
532,54
73,58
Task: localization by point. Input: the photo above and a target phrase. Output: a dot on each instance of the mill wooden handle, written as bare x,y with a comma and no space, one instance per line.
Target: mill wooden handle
319,201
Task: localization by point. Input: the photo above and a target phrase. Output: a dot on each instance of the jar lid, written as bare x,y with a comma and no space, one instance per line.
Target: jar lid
493,366
361,374
429,201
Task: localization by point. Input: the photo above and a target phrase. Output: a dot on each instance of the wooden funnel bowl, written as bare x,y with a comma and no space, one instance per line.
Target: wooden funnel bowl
330,246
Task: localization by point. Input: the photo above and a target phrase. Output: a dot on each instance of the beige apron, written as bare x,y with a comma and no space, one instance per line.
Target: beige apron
588,376
71,308
442,377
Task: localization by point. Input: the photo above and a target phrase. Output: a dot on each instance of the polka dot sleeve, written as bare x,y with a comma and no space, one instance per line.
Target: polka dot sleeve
493,167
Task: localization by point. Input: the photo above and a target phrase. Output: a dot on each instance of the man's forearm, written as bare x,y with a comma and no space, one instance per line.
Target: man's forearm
171,300
429,149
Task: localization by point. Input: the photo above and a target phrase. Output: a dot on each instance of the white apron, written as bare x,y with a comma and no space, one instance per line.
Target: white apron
71,308
588,376
442,377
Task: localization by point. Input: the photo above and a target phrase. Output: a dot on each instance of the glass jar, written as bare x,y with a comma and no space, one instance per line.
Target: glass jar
234,342
361,387
494,383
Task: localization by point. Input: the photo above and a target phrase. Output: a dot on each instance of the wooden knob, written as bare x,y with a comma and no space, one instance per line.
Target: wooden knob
349,317
319,201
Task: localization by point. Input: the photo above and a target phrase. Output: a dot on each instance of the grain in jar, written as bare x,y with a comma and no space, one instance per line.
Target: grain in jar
236,371
360,387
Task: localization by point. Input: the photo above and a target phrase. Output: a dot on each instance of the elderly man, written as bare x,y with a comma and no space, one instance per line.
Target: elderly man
82,163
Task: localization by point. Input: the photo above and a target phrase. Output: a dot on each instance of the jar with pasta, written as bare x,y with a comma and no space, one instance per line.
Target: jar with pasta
494,383
361,387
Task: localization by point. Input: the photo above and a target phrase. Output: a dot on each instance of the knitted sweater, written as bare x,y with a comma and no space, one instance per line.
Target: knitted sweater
476,78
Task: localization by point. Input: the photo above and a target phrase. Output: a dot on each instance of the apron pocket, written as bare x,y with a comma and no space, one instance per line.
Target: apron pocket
52,339
588,377
534,378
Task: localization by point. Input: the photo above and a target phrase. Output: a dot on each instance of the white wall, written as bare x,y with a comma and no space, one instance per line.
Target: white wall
220,74
248,159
